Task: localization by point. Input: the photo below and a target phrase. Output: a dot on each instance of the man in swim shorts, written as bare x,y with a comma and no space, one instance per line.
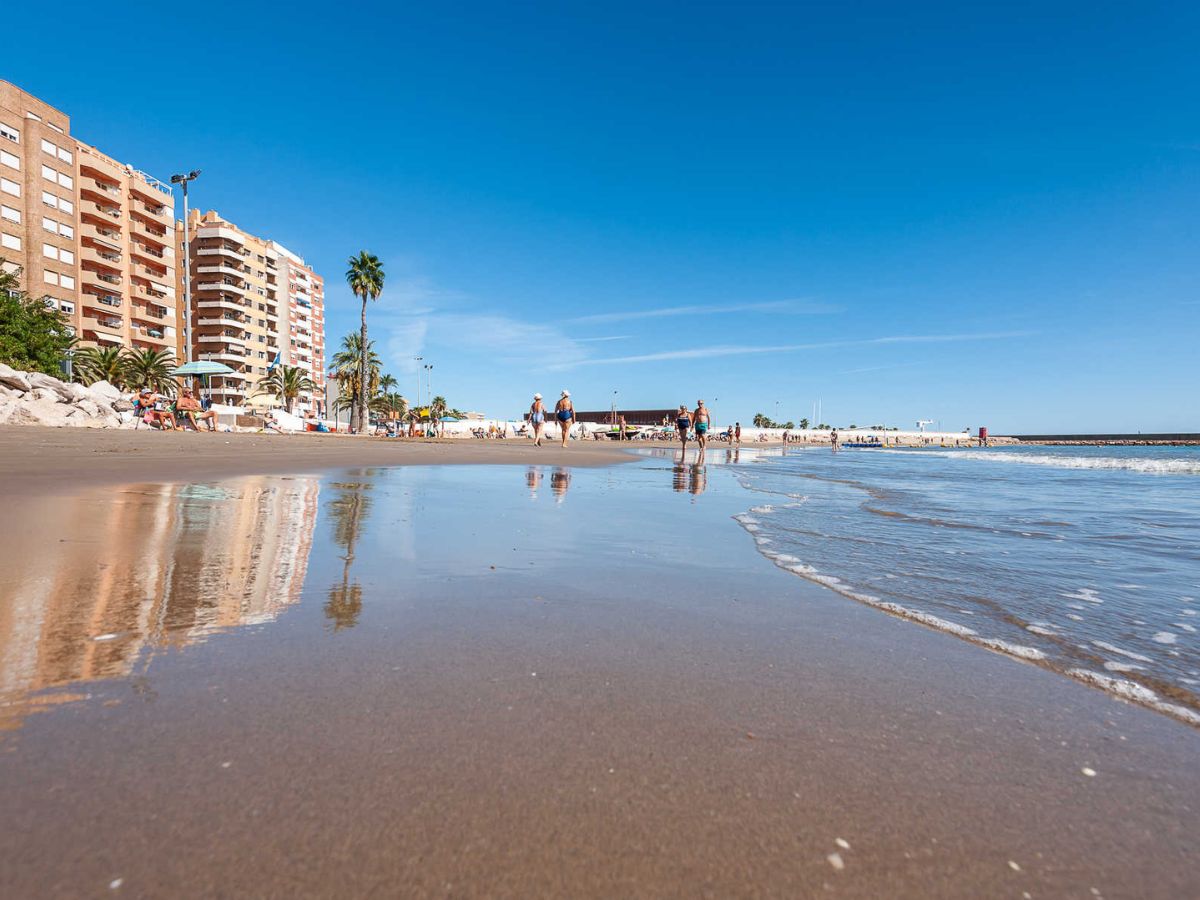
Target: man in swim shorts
700,422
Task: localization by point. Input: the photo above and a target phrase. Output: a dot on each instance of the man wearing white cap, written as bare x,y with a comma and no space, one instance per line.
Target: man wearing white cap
537,418
564,411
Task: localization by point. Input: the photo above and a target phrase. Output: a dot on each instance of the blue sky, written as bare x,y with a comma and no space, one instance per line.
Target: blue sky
974,214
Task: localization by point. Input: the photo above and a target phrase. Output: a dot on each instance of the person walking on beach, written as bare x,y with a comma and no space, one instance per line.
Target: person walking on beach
701,420
537,418
833,439
564,411
683,422
737,433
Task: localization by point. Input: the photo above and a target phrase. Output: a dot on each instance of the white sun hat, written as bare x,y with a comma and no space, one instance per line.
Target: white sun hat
537,396
566,393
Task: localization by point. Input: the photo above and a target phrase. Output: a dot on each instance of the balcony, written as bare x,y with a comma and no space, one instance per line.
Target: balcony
221,286
235,343
104,209
149,227
103,299
222,321
220,270
101,231
149,312
226,357
147,250
223,303
154,210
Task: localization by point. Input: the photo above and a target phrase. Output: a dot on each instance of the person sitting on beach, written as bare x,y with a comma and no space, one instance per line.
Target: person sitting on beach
683,422
564,411
190,410
155,409
537,418
702,420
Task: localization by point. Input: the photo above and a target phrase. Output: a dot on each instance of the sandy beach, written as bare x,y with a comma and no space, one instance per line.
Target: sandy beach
331,668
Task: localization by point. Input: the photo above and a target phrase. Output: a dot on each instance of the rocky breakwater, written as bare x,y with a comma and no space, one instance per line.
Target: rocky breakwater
31,398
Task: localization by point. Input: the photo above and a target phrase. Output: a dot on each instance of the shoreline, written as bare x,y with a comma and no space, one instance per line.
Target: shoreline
728,731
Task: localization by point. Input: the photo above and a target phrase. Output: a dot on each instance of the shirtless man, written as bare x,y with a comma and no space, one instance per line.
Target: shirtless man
189,408
700,422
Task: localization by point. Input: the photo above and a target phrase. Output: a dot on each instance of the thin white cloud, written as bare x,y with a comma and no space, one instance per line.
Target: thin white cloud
752,349
611,337
780,306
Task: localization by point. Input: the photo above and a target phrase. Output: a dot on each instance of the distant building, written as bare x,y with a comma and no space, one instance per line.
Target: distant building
89,233
254,302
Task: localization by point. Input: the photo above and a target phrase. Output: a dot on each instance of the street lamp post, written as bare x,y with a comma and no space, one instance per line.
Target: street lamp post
182,181
417,359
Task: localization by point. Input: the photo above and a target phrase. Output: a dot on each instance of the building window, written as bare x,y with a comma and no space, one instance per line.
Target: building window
67,282
13,162
49,199
10,187
13,215
11,241
49,277
66,306
50,225
49,174
65,155
67,206
66,181
66,256
49,251
9,133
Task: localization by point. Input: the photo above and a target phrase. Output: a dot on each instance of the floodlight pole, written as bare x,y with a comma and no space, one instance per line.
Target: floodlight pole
182,181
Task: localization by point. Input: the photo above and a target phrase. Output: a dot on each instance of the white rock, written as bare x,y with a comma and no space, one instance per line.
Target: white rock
14,379
105,389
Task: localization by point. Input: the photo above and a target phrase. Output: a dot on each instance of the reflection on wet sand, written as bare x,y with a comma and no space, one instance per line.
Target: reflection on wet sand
94,584
691,478
560,482
533,480
349,510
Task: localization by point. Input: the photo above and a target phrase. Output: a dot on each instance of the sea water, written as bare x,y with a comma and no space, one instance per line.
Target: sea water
1082,559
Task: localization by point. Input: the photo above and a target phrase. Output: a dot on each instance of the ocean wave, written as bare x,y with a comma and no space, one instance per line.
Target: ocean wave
1145,466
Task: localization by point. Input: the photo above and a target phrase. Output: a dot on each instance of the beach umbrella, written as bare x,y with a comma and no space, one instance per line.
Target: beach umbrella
202,367
449,419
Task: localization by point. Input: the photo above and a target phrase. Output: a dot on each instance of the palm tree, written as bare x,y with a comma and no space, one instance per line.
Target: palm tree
804,424
286,383
348,511
346,369
151,369
387,384
92,364
437,409
365,277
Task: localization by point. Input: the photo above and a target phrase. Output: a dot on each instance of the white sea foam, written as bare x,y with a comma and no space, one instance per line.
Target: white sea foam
1184,626
1131,690
1013,649
1042,630
1088,594
1163,637
1113,648
1122,667
1145,466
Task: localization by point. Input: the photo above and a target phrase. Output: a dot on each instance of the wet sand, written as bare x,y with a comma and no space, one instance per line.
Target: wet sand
578,683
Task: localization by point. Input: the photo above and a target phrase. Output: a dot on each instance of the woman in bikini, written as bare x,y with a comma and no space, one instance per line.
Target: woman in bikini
564,411
537,418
